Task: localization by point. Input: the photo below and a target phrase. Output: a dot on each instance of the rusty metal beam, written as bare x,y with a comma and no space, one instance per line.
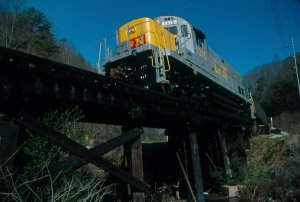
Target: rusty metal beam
79,150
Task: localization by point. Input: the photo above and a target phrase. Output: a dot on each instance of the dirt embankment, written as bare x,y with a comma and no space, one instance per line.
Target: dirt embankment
288,121
273,171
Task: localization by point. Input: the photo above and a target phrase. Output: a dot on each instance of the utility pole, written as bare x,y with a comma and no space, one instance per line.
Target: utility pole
295,60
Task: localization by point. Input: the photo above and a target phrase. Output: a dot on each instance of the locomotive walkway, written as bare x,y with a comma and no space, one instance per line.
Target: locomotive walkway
31,86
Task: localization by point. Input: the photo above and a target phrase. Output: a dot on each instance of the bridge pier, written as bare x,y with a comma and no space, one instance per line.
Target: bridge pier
183,142
9,132
196,164
134,156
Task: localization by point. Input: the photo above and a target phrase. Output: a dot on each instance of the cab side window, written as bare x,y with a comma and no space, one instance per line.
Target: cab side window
184,31
200,37
173,30
199,42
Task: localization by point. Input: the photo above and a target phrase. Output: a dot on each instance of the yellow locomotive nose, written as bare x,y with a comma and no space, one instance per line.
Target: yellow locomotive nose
145,31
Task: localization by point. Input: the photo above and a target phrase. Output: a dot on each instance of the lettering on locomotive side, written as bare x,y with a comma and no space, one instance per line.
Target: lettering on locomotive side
221,69
201,52
137,41
216,68
169,22
224,72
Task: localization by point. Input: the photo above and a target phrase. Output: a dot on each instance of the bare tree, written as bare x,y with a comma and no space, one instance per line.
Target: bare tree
69,55
9,17
29,30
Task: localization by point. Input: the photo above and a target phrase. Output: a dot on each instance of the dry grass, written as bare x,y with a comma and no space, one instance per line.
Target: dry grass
78,186
273,169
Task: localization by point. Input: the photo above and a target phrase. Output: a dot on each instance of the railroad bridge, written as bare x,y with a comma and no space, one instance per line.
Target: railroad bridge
30,86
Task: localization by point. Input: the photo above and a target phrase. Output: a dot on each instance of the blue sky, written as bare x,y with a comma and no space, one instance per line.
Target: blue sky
243,32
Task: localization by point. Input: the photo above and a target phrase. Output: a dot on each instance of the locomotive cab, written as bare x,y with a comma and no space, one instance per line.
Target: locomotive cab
181,29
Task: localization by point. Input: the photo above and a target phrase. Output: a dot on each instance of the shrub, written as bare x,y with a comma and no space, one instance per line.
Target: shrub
219,175
41,151
237,168
289,173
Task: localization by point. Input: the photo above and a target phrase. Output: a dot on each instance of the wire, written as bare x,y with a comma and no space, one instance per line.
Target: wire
275,11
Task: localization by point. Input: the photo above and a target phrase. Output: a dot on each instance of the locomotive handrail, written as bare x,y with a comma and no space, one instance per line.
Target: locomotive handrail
169,67
159,49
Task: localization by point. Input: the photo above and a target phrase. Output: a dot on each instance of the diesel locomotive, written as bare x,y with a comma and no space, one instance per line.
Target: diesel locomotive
169,54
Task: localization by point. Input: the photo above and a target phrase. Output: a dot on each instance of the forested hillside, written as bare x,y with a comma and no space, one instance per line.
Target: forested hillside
275,87
29,30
